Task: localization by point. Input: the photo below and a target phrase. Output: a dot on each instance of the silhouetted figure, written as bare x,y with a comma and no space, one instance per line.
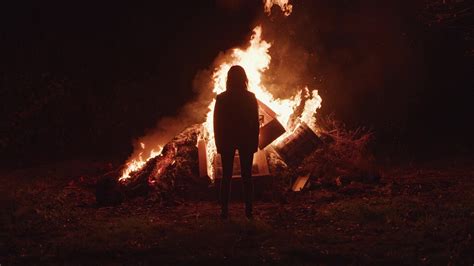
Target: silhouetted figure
236,127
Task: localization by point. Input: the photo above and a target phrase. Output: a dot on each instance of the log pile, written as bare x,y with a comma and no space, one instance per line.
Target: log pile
335,157
174,172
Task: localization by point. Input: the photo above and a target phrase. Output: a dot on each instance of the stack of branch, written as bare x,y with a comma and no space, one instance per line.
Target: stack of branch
345,156
173,173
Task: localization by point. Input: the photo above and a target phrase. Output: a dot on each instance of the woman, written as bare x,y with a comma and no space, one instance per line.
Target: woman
236,127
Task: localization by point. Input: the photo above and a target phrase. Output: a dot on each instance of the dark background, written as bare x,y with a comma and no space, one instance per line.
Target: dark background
83,80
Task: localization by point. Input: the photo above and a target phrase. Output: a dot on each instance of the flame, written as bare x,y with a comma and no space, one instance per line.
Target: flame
285,7
256,60
136,162
311,105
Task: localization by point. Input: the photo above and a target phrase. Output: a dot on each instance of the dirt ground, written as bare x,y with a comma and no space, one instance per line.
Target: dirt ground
417,214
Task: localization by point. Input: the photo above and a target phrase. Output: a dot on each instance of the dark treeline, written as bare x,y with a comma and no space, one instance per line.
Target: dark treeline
82,80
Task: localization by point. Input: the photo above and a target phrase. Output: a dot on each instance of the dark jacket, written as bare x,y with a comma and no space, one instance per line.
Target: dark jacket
236,124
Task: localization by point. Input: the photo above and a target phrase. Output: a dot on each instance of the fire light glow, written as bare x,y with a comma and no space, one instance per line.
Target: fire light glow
255,59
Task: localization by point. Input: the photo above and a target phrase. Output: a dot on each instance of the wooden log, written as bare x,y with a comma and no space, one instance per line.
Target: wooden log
297,145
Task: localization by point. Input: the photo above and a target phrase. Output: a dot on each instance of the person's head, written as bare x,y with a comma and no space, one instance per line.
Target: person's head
236,79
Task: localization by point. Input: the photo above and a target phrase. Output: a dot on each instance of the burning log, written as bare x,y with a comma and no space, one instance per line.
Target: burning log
142,181
294,148
174,171
300,183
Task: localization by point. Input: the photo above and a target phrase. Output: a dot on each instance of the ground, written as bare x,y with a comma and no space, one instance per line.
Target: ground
417,214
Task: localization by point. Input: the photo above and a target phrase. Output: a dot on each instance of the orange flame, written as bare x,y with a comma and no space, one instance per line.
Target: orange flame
256,60
136,162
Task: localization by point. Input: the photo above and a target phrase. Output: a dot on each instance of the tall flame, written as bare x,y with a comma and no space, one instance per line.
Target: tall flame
255,60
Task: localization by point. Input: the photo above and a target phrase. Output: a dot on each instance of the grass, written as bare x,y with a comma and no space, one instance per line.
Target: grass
411,217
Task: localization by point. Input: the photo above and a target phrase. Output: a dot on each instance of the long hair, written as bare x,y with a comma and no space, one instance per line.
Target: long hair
236,79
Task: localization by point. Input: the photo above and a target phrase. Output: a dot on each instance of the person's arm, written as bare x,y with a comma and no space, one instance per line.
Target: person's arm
218,123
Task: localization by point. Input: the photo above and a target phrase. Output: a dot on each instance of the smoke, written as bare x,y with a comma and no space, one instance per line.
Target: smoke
288,72
308,50
357,54
286,79
167,127
191,113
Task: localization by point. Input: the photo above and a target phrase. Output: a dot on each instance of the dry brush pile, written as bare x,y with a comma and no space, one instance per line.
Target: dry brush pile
343,157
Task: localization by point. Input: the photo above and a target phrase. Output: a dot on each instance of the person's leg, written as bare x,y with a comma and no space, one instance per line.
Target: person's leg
246,160
227,159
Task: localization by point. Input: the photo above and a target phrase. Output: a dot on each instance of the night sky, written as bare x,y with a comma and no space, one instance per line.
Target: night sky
83,80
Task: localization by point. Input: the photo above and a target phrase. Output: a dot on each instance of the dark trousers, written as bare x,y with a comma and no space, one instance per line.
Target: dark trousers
246,159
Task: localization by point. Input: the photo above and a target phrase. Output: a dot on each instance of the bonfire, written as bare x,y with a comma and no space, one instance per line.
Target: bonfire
289,129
